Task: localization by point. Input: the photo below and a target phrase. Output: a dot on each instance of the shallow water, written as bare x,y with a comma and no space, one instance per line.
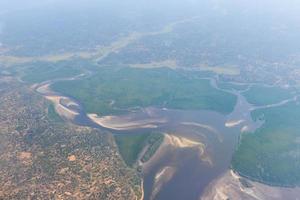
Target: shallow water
192,175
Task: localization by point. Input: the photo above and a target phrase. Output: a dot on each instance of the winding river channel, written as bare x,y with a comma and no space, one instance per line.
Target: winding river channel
198,145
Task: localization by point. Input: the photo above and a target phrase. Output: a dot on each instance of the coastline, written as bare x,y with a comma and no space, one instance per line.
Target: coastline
233,186
125,123
63,110
171,145
228,185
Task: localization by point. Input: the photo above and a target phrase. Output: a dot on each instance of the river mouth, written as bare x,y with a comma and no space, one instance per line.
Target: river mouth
201,143
192,169
192,166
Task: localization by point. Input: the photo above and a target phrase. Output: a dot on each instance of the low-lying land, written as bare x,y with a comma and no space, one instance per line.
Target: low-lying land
52,114
272,153
232,186
263,95
131,146
118,90
37,72
232,86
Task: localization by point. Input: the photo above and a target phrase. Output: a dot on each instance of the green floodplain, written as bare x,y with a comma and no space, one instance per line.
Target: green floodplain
117,90
113,90
131,146
37,72
272,153
52,114
262,95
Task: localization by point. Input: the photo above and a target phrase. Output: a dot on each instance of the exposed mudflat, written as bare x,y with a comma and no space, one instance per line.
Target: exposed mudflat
64,106
194,159
127,122
232,186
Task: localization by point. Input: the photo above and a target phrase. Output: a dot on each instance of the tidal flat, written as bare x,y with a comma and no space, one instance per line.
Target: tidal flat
200,137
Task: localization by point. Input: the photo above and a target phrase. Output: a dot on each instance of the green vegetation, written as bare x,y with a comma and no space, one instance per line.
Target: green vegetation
130,145
52,114
262,95
154,141
115,90
43,71
272,153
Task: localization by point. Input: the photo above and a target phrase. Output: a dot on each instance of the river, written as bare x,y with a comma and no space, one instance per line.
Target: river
180,172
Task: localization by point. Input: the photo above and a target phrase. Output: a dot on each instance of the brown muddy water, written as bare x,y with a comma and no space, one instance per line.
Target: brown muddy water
191,170
191,174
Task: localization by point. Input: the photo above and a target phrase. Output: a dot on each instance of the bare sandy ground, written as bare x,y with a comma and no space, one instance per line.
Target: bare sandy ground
229,186
162,150
125,122
234,123
57,100
205,126
44,89
166,63
161,178
170,144
60,109
182,142
142,190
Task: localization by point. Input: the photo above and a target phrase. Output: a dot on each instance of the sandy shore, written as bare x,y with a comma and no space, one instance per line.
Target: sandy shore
173,142
142,190
60,103
43,89
229,186
206,127
161,178
234,123
60,109
125,123
169,146
182,142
